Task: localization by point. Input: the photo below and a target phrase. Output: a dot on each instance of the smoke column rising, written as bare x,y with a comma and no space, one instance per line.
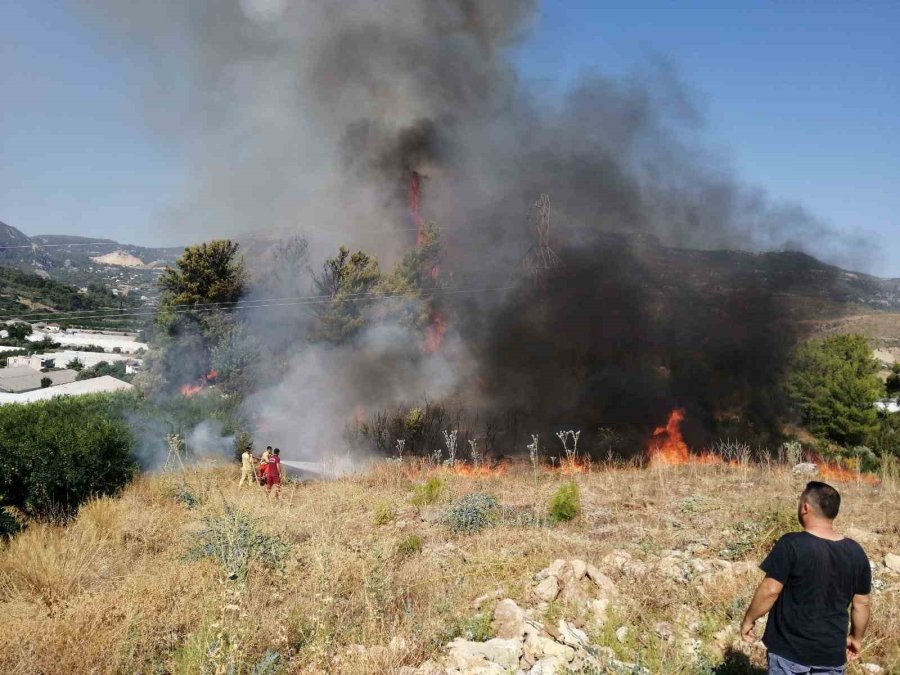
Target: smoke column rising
313,117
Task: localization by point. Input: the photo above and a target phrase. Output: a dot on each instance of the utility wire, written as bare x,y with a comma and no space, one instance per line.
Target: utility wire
311,300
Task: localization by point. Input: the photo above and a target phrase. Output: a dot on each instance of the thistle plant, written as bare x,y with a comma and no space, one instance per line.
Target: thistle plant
476,454
400,444
450,442
565,437
534,451
792,452
436,456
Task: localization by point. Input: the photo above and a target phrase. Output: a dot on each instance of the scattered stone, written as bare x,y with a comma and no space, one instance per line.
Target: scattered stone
671,568
509,620
579,569
480,600
664,631
617,559
495,655
805,469
548,666
599,611
692,648
602,582
537,647
554,570
873,668
892,562
572,636
622,634
548,589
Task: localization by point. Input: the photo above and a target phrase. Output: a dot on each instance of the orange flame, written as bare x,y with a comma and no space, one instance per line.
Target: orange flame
212,375
434,333
839,473
481,470
191,389
667,445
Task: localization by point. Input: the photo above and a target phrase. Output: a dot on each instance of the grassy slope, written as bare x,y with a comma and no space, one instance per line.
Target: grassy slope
114,591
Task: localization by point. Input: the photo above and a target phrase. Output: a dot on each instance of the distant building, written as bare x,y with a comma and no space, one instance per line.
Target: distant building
63,358
97,385
19,379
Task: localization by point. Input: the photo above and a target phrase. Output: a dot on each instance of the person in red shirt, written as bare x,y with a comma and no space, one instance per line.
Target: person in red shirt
273,472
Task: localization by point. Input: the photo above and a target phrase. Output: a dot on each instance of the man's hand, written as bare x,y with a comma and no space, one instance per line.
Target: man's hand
747,631
854,647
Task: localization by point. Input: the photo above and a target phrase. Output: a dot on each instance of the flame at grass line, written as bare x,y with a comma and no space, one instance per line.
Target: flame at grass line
667,447
838,473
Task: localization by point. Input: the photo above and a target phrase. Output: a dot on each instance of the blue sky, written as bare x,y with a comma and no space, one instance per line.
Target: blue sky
802,98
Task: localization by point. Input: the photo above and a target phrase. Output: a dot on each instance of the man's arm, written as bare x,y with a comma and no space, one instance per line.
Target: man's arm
859,620
766,594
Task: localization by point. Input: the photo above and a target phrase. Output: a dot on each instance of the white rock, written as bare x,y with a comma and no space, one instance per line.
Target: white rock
805,469
603,582
892,562
538,647
671,568
617,559
692,648
467,654
599,611
509,620
548,666
554,570
548,589
622,633
664,631
873,668
572,636
579,568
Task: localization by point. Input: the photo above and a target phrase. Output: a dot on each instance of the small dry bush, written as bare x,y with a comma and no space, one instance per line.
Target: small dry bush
50,564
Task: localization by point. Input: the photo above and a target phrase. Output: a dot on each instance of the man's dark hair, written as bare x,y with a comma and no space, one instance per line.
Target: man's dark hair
823,498
278,452
268,447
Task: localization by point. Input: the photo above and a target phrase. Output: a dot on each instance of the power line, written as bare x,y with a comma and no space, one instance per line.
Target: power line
311,300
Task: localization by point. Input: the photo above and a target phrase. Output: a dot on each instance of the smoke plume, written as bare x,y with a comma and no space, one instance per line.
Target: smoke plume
309,117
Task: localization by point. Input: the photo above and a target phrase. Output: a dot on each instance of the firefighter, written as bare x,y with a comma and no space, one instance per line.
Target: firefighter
248,472
263,463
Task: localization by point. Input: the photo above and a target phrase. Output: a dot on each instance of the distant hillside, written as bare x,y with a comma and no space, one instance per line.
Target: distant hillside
24,293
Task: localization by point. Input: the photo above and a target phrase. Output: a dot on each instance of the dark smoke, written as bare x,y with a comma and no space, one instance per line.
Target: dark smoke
309,116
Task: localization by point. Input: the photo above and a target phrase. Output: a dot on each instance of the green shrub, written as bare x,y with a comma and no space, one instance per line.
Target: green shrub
235,542
756,537
383,514
429,492
565,504
9,524
412,544
56,454
471,513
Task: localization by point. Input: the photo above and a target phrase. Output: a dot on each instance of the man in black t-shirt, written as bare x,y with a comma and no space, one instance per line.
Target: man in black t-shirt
812,577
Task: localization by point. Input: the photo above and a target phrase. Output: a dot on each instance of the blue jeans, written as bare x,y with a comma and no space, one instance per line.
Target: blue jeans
781,666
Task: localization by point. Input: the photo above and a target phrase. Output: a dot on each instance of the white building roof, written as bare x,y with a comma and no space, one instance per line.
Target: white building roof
888,405
6,348
126,343
25,378
97,385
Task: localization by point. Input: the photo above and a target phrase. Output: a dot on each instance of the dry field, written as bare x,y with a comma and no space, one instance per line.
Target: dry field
363,575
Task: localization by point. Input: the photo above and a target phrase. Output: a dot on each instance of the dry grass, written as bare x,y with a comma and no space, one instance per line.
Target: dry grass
116,591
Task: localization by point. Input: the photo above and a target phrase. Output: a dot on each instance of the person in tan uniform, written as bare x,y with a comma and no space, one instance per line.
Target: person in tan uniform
248,470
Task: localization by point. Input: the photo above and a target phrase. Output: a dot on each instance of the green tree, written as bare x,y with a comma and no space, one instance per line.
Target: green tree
348,283
46,382
55,454
19,330
115,369
834,387
75,364
206,273
196,311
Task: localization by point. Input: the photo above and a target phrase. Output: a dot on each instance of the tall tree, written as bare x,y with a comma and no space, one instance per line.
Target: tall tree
348,283
834,387
196,311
